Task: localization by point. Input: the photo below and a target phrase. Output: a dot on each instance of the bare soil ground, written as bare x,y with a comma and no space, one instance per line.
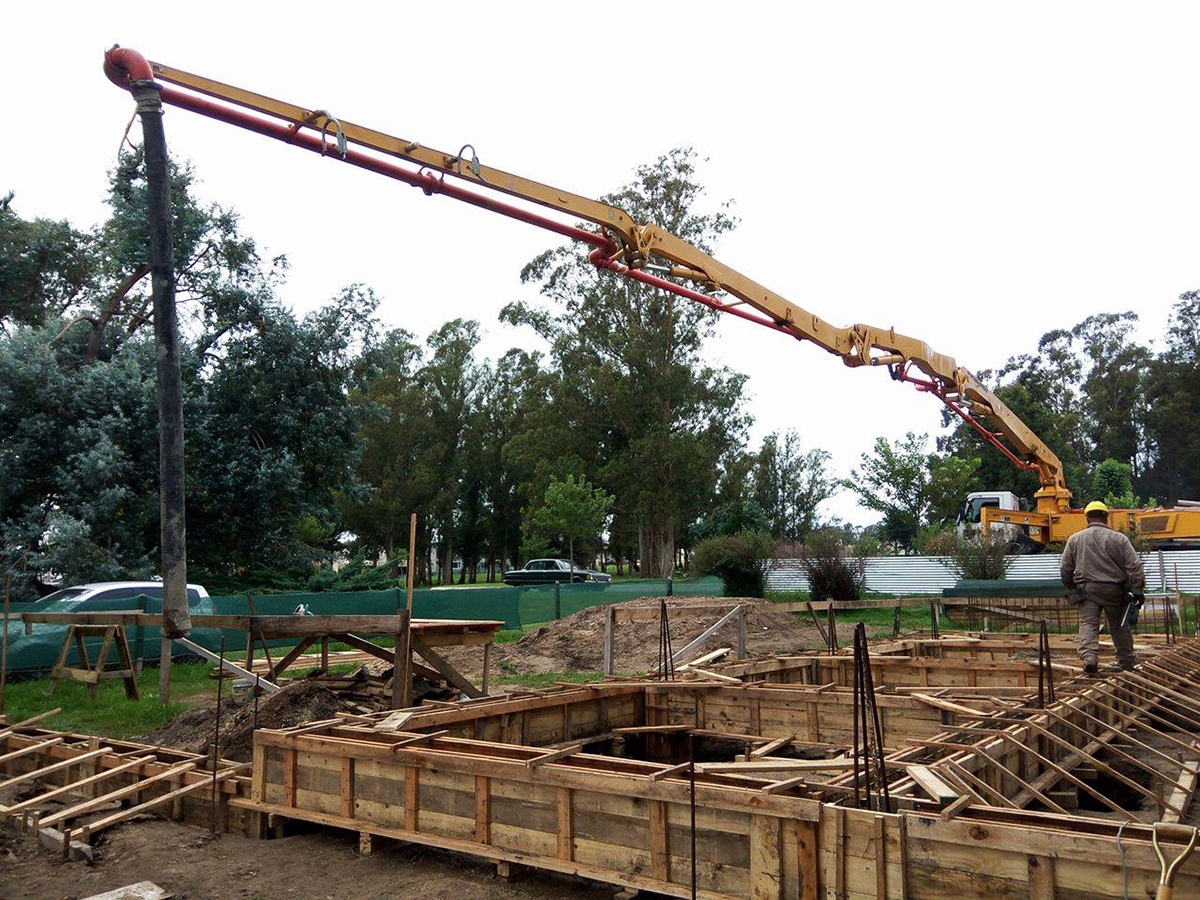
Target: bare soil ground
196,865
576,643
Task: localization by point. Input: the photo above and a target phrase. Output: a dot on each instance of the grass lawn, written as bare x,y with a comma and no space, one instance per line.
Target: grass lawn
111,714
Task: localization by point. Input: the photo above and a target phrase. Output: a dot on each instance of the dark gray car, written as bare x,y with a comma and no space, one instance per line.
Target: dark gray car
549,571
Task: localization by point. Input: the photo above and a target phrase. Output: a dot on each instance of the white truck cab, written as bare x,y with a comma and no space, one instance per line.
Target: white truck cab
971,512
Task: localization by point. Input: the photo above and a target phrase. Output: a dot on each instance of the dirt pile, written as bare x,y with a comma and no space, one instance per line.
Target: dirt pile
576,643
296,703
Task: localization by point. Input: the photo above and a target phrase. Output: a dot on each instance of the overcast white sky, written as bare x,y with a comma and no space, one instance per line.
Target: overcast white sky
971,174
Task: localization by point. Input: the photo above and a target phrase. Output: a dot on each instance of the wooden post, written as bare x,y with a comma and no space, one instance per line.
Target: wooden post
412,557
139,639
4,641
402,666
164,668
610,619
487,665
741,632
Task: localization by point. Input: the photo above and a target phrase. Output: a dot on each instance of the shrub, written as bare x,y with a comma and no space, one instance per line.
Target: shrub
833,573
739,560
982,557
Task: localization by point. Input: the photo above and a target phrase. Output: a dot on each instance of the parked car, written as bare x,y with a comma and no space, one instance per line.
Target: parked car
86,596
548,571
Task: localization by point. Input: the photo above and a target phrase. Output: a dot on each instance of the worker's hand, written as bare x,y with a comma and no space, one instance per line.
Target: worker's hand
1140,600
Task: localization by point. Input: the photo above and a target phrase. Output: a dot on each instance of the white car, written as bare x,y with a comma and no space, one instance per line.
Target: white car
85,596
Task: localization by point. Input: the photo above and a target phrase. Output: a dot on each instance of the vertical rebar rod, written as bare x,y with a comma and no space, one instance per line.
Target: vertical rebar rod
868,685
854,723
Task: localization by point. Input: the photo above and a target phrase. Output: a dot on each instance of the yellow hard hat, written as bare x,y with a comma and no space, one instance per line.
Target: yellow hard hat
1095,506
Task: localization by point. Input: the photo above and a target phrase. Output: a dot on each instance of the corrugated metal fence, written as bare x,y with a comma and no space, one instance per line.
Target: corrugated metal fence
1169,570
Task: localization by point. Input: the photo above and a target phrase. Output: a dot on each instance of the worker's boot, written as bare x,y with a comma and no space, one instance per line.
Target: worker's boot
1091,667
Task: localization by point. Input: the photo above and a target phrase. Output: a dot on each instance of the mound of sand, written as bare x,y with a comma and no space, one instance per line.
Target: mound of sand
576,643
298,702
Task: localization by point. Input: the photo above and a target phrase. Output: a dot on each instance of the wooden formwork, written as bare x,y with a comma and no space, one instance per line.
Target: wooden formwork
982,798
592,780
75,782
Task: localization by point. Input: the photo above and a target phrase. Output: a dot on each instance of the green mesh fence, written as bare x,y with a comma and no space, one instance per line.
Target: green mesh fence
515,606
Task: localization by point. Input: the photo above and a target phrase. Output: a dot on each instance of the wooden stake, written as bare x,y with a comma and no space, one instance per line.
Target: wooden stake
164,668
412,556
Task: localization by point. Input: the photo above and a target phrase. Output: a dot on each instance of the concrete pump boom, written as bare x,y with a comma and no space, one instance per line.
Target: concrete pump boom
641,251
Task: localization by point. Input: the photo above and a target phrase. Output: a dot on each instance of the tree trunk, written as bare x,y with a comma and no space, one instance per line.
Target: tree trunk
656,545
448,560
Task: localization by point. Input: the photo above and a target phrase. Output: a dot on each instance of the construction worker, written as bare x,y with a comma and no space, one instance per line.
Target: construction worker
1104,572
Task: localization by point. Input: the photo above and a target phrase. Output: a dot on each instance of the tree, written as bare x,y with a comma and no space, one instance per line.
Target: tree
631,400
732,518
790,485
1173,407
739,560
894,481
573,509
951,478
1112,484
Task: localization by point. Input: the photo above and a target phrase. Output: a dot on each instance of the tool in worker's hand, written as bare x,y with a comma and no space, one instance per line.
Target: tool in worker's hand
1133,607
1166,878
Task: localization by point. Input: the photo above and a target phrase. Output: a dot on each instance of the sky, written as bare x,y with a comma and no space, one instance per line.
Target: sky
971,174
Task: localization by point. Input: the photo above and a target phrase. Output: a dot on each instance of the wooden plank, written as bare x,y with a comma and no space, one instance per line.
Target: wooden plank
682,655
704,660
1181,797
771,746
55,767
73,786
555,755
483,809
881,869
225,664
120,793
932,784
412,797
32,748
1041,877
766,877
948,706
347,785
678,769
395,721
446,670
777,765
10,730
565,831
274,671
660,847
93,827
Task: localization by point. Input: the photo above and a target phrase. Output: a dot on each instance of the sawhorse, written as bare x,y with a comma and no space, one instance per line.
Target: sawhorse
89,674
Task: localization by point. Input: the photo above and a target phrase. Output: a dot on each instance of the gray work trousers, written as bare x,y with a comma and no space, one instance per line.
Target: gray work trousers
1111,599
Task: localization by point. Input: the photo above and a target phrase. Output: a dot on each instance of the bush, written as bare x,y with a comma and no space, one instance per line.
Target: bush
739,560
833,573
980,558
